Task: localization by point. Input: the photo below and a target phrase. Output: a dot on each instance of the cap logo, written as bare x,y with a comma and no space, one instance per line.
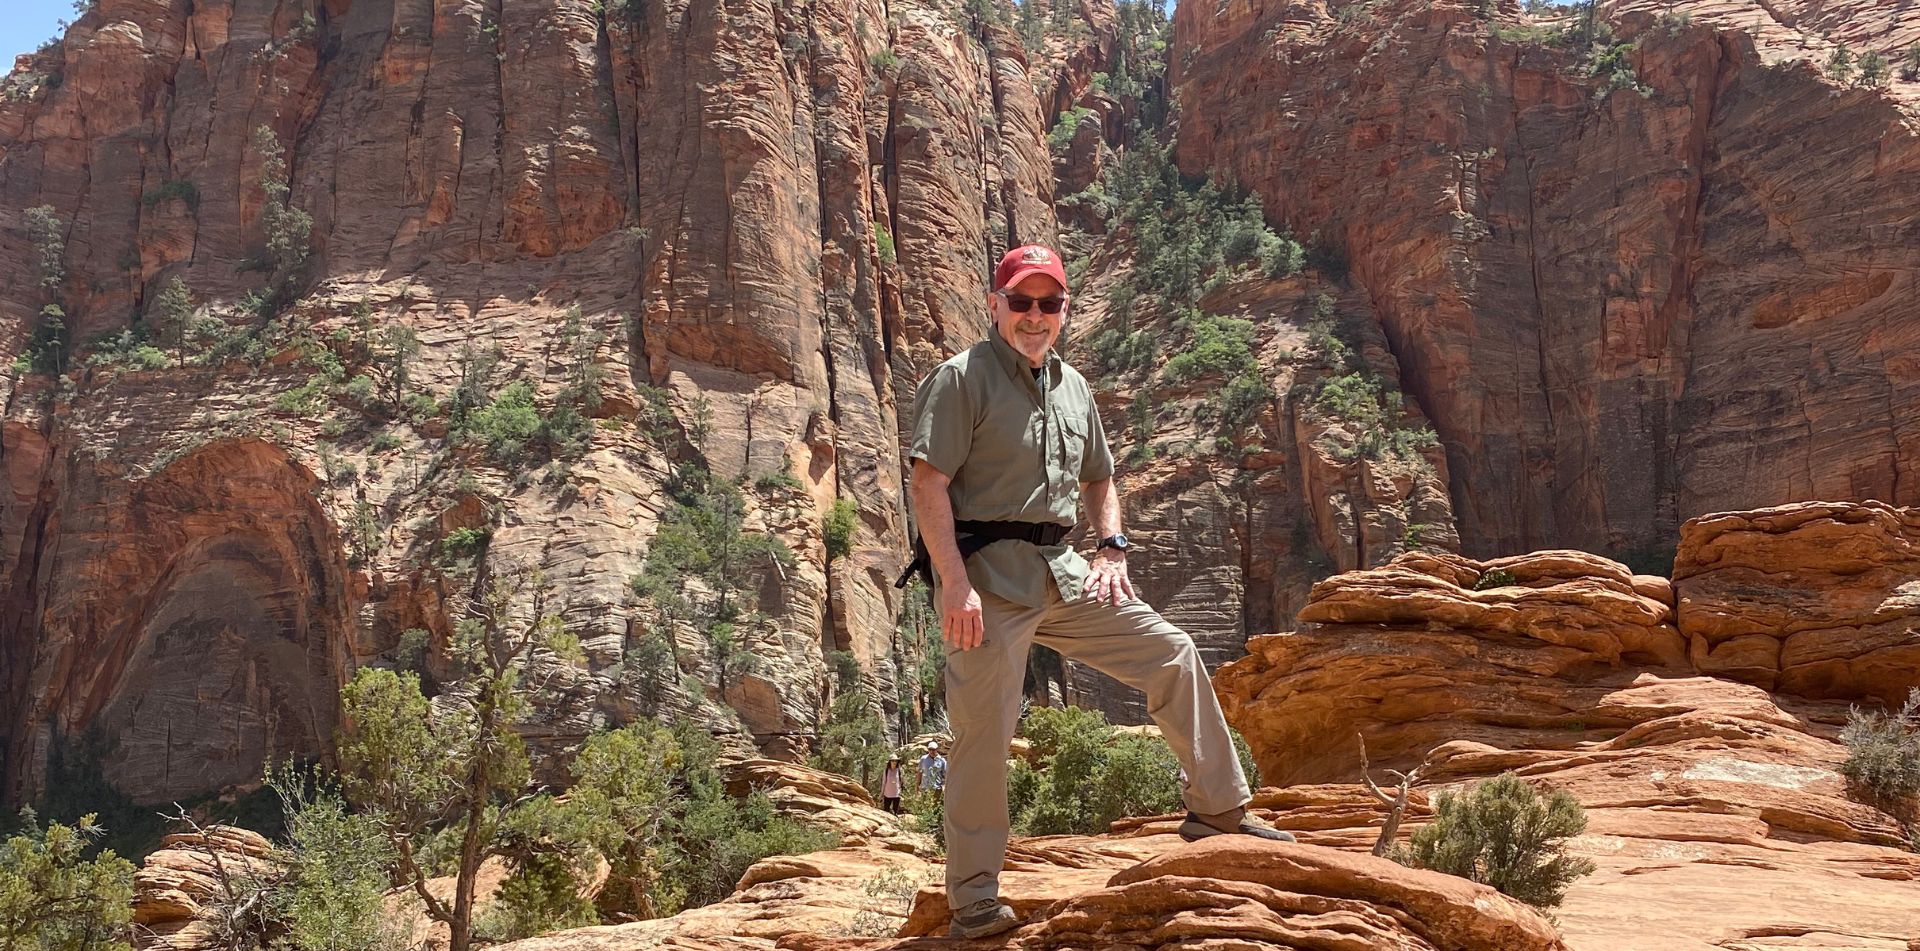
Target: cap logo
1035,256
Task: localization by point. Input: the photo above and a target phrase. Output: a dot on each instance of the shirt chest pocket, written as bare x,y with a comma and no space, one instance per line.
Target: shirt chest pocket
1073,446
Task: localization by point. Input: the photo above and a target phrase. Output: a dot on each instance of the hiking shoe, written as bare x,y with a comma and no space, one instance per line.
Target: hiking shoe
988,916
1196,828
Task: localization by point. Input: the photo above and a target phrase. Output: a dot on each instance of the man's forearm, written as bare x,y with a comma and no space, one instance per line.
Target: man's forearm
1103,507
933,511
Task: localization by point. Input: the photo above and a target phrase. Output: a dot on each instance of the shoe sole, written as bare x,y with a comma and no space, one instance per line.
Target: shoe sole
1187,833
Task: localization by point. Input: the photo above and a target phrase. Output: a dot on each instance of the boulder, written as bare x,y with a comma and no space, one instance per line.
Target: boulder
1820,599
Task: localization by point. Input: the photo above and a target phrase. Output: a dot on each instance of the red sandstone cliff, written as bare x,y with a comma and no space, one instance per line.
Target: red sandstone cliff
1617,310
1622,298
192,573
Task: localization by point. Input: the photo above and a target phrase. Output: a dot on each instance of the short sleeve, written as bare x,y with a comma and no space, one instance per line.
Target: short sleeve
1096,463
942,420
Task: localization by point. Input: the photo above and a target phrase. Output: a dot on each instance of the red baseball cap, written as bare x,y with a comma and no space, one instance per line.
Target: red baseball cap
1028,259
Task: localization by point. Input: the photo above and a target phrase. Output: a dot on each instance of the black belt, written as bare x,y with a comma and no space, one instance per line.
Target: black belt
971,536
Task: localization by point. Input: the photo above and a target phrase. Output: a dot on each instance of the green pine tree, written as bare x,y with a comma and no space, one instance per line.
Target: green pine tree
53,898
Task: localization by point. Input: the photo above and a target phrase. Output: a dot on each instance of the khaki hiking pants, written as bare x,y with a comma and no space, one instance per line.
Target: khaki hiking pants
1131,643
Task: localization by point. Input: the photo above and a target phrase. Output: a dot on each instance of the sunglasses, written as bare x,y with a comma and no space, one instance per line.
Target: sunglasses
1021,303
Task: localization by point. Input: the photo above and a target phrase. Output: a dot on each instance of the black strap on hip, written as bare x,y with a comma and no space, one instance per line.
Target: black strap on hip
971,536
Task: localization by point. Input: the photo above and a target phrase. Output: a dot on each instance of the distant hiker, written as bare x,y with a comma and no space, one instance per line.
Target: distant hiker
890,785
1006,441
933,768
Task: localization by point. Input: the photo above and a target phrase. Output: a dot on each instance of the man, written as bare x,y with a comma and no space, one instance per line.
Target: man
933,768
1006,442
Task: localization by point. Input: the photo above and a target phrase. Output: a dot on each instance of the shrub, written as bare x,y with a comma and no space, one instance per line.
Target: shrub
1063,129
1496,578
883,240
884,60
508,423
1233,406
1117,351
780,481
337,861
53,898
1505,834
1088,774
1840,64
1222,346
1883,754
1910,64
1280,257
839,528
463,542
657,808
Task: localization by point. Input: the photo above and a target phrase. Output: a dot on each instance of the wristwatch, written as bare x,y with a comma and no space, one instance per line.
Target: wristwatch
1117,541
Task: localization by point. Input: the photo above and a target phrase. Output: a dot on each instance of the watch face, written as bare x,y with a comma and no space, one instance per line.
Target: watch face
1120,542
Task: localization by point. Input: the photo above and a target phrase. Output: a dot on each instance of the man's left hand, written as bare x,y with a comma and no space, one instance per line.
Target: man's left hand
1107,580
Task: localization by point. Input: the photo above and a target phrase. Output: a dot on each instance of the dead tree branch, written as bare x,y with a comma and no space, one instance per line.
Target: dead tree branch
1396,804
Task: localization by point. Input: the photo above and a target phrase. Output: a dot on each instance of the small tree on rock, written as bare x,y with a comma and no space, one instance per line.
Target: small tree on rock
1504,834
1873,70
458,764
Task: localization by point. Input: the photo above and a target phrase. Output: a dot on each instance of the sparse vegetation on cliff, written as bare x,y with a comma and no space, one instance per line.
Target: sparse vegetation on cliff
287,232
46,348
703,567
1348,392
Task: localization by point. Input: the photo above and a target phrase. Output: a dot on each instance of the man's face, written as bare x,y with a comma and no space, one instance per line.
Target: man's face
1032,332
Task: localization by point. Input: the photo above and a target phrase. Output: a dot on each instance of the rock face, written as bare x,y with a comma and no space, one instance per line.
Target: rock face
776,219
1619,310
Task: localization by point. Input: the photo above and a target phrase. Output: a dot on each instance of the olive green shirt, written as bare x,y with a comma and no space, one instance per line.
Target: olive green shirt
1016,449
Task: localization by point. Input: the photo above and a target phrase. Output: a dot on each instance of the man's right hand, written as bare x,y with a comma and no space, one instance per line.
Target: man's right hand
960,620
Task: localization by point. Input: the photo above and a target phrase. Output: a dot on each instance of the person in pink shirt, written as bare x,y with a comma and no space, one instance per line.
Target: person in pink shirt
890,785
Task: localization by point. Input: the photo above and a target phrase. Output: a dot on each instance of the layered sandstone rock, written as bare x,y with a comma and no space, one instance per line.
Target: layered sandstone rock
1817,599
176,888
1148,891
1704,795
1618,309
1435,647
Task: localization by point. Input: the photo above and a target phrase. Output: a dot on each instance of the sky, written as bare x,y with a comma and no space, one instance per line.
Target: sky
25,24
